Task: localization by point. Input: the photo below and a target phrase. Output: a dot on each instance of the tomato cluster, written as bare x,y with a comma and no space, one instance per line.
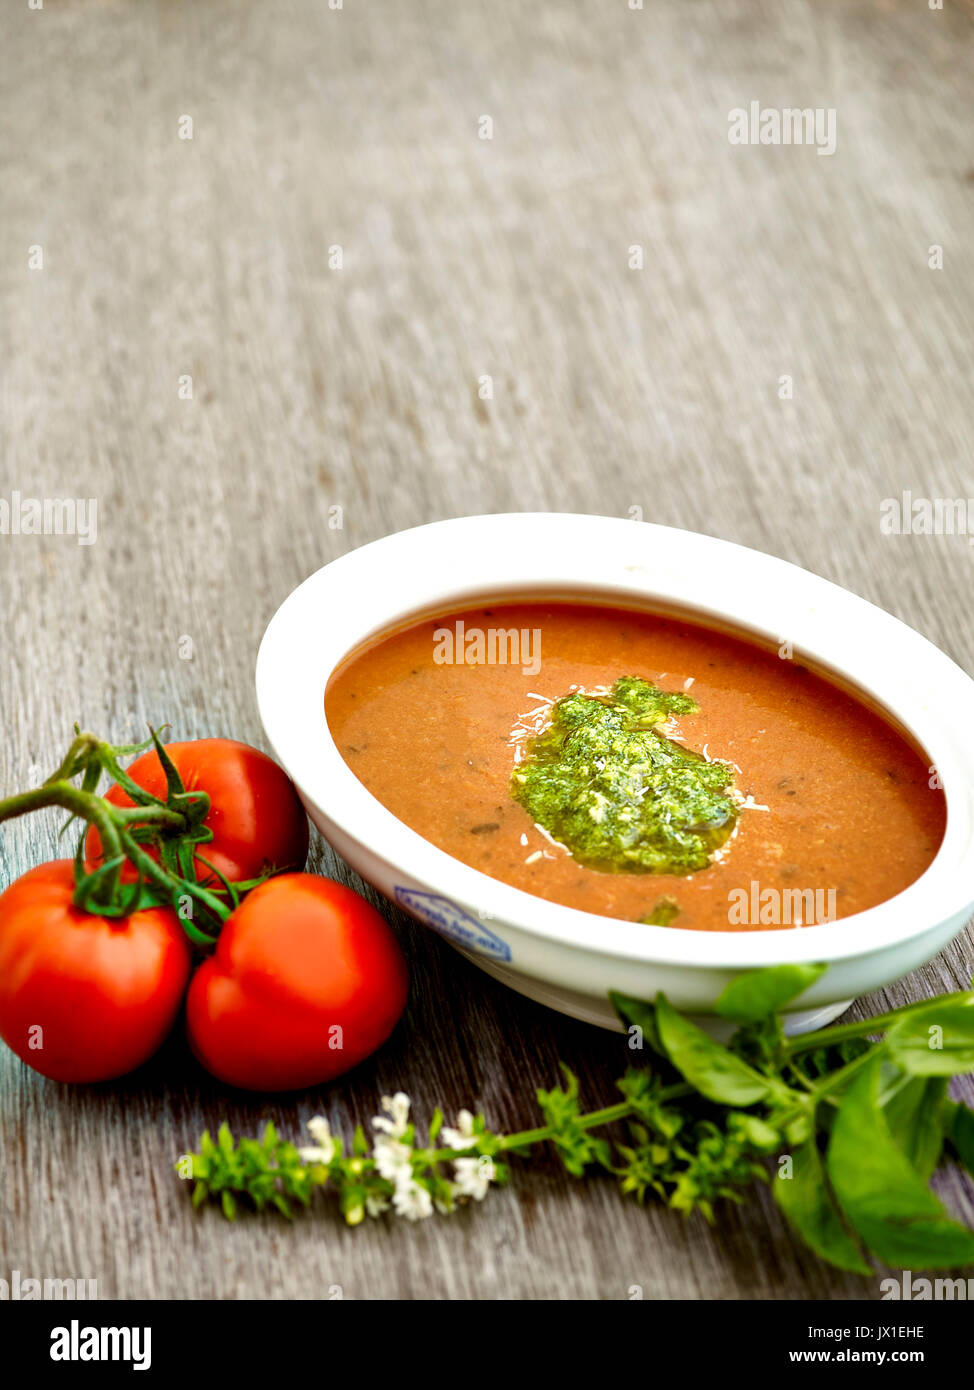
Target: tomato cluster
306,979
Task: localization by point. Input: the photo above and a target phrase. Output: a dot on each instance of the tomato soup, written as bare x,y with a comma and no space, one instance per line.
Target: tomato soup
750,792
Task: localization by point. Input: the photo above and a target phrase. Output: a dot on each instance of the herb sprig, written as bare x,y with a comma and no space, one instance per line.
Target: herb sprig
856,1123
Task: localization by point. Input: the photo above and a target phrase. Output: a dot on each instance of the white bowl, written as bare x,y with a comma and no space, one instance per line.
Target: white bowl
561,956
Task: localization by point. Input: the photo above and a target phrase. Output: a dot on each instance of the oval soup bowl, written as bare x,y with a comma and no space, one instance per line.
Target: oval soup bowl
561,956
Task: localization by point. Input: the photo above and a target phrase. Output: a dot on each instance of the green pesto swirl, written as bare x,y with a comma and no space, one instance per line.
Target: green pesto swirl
621,797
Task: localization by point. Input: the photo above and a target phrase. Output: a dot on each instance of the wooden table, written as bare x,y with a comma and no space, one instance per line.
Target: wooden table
316,388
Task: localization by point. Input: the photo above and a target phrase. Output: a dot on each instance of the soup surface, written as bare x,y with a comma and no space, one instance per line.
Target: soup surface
833,811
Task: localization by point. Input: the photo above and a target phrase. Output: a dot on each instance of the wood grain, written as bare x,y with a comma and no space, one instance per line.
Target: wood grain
316,388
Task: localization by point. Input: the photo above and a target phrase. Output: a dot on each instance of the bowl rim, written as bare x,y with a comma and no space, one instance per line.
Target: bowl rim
451,564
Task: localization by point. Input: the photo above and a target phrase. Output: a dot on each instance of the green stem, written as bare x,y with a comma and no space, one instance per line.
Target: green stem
154,873
107,819
606,1116
124,832
76,758
89,807
112,824
824,1088
156,815
843,1032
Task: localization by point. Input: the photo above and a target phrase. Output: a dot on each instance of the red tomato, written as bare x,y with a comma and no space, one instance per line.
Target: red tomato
82,997
307,980
257,820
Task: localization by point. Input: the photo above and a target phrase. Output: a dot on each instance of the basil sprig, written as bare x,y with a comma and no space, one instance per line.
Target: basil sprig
848,1124
872,1117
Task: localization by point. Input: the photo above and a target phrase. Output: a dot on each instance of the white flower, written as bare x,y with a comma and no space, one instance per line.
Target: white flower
412,1202
324,1150
376,1204
392,1158
463,1137
397,1109
474,1176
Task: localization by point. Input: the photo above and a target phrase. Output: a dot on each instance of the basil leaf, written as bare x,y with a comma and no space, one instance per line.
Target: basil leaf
884,1199
764,1136
915,1114
758,993
642,1015
810,1208
938,1041
822,1061
714,1070
961,1132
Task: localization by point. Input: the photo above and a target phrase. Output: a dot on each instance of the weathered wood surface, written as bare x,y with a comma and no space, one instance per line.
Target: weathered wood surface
316,388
